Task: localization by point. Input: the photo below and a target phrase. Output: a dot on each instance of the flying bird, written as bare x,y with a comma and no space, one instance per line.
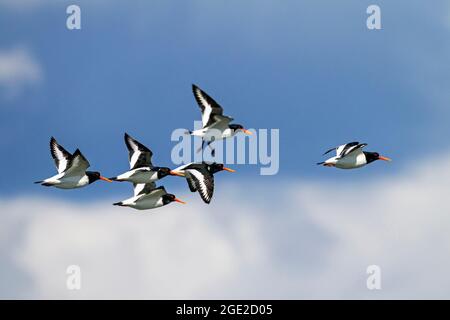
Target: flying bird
71,169
351,156
200,177
216,126
148,196
141,167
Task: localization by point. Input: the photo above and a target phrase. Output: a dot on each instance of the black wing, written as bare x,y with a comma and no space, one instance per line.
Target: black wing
143,188
353,149
203,181
138,154
209,107
60,155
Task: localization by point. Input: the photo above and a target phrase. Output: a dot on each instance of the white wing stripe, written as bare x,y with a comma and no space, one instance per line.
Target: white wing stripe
201,179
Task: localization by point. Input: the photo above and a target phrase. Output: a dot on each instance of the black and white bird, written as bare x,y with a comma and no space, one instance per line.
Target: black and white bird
71,169
351,156
141,167
148,196
200,177
216,126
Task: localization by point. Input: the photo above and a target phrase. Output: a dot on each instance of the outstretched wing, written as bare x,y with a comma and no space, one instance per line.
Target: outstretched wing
353,149
340,150
143,188
138,154
209,107
191,183
60,155
202,181
78,165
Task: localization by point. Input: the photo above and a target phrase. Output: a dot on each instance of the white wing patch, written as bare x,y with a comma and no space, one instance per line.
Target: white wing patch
203,183
135,156
207,107
60,155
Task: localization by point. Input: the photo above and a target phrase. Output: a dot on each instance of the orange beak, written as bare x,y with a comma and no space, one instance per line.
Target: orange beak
174,173
247,132
384,158
228,169
105,179
178,200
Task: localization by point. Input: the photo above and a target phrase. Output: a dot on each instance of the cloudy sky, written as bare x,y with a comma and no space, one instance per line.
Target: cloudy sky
311,69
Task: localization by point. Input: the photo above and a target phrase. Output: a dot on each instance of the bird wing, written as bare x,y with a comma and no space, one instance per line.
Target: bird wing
340,150
156,193
60,155
191,183
220,122
209,107
139,155
78,165
203,182
352,150
143,188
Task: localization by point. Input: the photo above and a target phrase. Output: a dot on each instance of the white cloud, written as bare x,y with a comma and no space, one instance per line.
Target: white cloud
18,69
313,241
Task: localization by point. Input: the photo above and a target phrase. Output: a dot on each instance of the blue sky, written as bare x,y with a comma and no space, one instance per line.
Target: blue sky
309,68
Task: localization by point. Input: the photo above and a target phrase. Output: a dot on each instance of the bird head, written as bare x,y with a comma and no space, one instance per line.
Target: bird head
95,175
373,156
216,167
164,171
238,127
168,198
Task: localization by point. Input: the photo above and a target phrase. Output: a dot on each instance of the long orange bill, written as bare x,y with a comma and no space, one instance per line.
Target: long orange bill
228,169
247,132
175,173
384,158
178,200
105,179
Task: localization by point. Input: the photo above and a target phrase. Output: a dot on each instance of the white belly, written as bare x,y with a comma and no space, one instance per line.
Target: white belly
213,134
139,176
351,161
143,202
69,182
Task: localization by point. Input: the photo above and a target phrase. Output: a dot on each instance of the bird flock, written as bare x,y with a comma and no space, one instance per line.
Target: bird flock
72,168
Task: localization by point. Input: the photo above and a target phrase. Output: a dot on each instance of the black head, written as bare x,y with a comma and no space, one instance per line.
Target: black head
162,172
216,167
94,176
168,198
236,127
372,156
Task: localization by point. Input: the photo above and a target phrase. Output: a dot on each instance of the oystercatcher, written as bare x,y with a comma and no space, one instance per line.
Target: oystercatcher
213,118
351,156
71,169
147,196
200,177
142,169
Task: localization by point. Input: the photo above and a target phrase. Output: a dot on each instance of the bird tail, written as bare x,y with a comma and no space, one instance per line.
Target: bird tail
45,184
119,204
320,163
113,179
188,132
